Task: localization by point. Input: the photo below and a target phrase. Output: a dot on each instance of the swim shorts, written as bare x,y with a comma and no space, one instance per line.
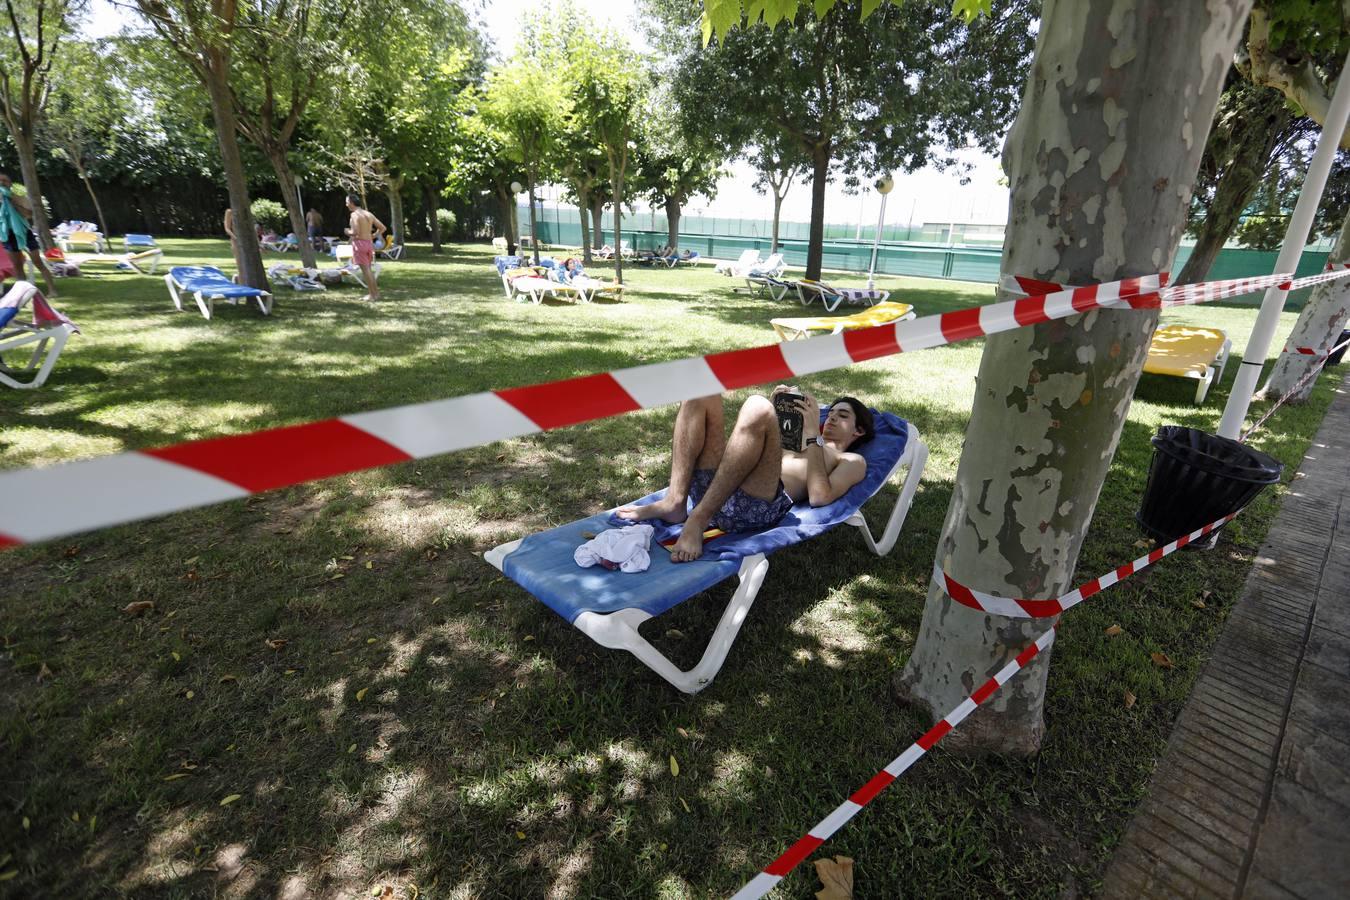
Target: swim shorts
741,512
363,252
12,242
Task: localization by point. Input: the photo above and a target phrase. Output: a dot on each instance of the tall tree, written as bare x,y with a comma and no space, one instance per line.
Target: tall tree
480,159
863,94
610,97
1101,160
674,165
1299,49
36,29
778,164
1254,129
86,114
202,33
524,99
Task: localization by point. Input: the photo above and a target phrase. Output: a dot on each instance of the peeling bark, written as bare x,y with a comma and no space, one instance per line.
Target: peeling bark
597,223
1101,160
1318,327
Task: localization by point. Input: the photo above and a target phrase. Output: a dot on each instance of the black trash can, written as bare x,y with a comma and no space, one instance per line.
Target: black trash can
1335,358
1196,477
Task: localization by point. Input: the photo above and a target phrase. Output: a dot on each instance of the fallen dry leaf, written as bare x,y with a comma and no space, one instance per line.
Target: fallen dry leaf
836,878
1129,699
138,607
6,876
226,677
1143,543
675,634
1162,660
674,767
371,640
230,799
190,694
1205,595
361,694
1198,604
175,776
44,673
191,560
588,535
682,733
277,643
685,805
1114,630
520,835
369,564
73,550
176,656
529,637
351,749
348,558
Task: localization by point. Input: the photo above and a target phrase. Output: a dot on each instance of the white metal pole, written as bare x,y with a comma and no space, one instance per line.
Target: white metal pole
1258,345
876,236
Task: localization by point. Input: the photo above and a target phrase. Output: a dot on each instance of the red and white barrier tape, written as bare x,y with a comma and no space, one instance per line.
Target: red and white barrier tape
775,871
1318,366
42,504
46,503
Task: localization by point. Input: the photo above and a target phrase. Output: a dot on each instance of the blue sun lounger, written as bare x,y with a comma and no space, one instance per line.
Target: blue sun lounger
207,284
608,606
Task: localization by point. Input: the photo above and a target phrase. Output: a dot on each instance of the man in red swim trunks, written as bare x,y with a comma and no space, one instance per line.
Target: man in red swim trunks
363,230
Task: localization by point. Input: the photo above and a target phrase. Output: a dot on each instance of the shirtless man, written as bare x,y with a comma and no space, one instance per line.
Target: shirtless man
364,228
747,481
314,228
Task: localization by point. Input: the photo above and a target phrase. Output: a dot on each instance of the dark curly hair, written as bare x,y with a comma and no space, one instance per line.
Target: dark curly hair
862,415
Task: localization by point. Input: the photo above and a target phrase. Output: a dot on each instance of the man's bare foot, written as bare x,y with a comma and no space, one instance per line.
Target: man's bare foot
690,545
667,509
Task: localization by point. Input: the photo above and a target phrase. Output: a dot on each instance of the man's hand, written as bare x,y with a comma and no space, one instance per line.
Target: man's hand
810,416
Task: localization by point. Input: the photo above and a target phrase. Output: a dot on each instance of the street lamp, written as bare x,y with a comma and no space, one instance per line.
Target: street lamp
516,188
884,185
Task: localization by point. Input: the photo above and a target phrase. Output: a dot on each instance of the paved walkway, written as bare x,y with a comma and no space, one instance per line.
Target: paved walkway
1252,797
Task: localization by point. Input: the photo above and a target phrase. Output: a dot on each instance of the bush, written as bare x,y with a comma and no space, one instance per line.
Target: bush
270,214
447,220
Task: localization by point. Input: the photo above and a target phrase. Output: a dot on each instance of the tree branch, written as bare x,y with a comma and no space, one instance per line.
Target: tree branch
1300,83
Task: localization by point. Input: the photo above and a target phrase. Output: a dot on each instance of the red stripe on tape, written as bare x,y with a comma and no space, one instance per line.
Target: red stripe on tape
279,457
961,324
757,365
7,541
795,854
1155,554
1085,298
863,795
985,691
570,401
1124,571
1307,351
1039,609
1283,285
959,592
934,734
1033,286
863,344
1029,310
1028,654
1092,587
1183,541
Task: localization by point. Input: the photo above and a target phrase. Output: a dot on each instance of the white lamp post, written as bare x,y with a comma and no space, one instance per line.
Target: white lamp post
516,188
884,185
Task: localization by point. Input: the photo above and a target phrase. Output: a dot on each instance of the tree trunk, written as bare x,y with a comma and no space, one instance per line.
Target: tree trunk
23,146
394,189
815,248
89,186
673,222
1239,180
433,221
777,209
616,184
583,207
251,271
534,235
1101,160
598,222
281,167
1318,328
506,202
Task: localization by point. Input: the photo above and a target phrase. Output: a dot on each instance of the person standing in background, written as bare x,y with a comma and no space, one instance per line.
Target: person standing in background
314,228
16,236
234,240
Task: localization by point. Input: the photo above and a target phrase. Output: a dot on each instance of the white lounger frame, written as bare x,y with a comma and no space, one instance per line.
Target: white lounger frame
206,300
1211,374
49,343
619,630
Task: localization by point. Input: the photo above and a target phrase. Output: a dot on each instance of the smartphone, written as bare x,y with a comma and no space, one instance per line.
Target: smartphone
789,420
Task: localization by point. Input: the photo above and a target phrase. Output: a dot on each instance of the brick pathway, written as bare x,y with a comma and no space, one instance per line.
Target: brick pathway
1252,797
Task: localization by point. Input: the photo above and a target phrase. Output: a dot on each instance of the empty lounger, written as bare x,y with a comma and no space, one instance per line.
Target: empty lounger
792,329
608,606
207,284
1188,352
40,340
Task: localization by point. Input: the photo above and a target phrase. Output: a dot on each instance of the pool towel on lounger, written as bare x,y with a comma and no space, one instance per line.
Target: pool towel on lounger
803,520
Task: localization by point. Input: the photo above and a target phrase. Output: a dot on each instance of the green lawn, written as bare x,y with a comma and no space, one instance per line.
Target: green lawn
392,712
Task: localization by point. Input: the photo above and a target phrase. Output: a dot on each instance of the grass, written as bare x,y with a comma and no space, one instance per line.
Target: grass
394,714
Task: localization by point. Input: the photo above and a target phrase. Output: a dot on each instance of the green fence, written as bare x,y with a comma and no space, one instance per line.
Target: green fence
713,238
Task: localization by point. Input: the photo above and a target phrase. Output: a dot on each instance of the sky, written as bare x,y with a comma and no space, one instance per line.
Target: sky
923,196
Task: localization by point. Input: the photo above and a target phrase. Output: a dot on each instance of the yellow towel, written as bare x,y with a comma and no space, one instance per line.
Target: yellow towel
880,314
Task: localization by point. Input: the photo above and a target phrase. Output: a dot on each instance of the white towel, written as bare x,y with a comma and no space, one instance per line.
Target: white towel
626,547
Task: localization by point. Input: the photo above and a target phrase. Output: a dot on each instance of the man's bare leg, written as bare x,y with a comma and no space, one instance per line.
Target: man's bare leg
752,461
699,442
373,289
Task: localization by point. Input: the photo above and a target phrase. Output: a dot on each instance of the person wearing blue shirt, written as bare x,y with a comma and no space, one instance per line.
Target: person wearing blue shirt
17,237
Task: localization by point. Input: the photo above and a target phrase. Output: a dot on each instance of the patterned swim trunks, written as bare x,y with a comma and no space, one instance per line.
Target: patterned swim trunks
741,512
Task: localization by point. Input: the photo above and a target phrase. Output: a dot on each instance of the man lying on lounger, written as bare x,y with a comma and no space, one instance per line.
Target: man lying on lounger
748,482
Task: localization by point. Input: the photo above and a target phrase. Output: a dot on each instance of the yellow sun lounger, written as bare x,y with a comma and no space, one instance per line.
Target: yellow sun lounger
1187,352
886,311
